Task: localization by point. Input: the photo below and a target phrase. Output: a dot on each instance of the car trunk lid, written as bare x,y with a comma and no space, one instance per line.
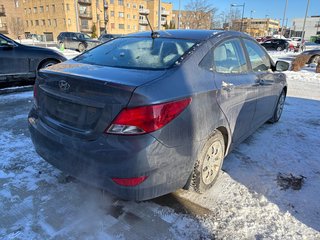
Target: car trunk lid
82,100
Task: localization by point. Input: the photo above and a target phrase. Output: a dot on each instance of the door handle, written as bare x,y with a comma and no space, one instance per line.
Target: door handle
227,86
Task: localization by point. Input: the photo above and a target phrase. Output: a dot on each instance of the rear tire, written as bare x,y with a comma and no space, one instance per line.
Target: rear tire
279,108
208,164
279,48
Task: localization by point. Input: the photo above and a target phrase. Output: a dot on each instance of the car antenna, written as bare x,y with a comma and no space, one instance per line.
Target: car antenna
153,33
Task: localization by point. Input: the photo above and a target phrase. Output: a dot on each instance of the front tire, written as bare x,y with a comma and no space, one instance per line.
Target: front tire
81,47
209,163
279,108
48,63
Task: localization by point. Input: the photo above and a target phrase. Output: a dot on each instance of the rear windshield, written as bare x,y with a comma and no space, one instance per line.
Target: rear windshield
138,53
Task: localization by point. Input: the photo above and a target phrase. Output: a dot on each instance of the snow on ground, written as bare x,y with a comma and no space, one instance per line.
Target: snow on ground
37,201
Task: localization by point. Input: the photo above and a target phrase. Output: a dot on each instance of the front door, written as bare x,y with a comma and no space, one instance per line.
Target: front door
12,60
268,93
238,93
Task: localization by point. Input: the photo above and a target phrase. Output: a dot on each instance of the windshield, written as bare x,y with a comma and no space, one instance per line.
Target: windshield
83,36
138,53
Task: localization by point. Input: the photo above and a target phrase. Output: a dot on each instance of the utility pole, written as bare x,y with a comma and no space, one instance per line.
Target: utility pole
77,15
159,15
179,16
304,25
284,17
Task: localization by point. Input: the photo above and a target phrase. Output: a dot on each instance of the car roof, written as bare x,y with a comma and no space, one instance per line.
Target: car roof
180,34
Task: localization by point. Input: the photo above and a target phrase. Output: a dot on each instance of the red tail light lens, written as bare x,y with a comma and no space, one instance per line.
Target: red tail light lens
146,119
129,182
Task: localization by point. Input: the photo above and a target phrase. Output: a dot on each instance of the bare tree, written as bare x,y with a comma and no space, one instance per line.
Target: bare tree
199,14
16,26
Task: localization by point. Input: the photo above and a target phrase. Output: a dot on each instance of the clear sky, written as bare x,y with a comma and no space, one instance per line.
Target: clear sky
273,8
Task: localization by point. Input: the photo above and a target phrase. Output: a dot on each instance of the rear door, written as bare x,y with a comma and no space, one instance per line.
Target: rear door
267,88
238,93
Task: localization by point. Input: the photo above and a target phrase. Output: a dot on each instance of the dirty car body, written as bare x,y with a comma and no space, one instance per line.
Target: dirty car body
132,122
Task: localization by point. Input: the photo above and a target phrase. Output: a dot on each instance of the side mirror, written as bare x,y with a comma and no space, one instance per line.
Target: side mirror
282,66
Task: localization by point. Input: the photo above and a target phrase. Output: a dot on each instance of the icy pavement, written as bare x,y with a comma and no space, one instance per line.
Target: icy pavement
37,201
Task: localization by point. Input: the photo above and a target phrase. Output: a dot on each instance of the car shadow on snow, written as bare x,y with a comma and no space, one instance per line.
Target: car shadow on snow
287,148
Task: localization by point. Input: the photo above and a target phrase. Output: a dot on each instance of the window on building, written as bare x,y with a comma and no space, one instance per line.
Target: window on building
27,23
41,9
35,10
121,14
111,1
31,23
69,21
64,21
29,10
47,8
128,26
25,11
55,22
43,22
120,2
134,16
112,26
68,6
49,22
37,22
17,3
128,16
53,8
121,26
112,13
134,27
128,5
134,5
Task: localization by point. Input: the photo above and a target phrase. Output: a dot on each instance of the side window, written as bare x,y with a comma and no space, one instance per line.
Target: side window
259,60
228,57
3,42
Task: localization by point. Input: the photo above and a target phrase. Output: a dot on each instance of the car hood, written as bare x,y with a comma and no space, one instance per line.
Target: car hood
46,51
123,76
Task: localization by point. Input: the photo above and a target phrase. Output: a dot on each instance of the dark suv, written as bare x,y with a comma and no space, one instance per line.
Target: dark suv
76,40
276,44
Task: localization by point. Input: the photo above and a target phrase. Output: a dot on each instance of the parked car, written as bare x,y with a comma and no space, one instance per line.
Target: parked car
314,55
107,37
142,116
276,44
311,45
21,62
76,41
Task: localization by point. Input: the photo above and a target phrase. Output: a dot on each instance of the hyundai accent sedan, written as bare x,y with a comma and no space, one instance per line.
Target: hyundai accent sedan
146,114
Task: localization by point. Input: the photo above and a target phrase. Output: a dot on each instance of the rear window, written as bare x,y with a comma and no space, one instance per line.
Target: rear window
138,53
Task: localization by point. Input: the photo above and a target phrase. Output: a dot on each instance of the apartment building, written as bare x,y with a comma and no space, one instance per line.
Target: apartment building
256,27
192,19
50,17
312,27
11,22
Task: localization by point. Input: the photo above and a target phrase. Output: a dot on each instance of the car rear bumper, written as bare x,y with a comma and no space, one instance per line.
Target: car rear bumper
111,156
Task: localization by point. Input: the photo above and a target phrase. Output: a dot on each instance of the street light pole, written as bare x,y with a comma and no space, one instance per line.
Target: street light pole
243,5
304,25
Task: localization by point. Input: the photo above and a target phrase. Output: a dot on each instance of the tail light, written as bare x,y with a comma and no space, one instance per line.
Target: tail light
129,182
146,119
35,94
